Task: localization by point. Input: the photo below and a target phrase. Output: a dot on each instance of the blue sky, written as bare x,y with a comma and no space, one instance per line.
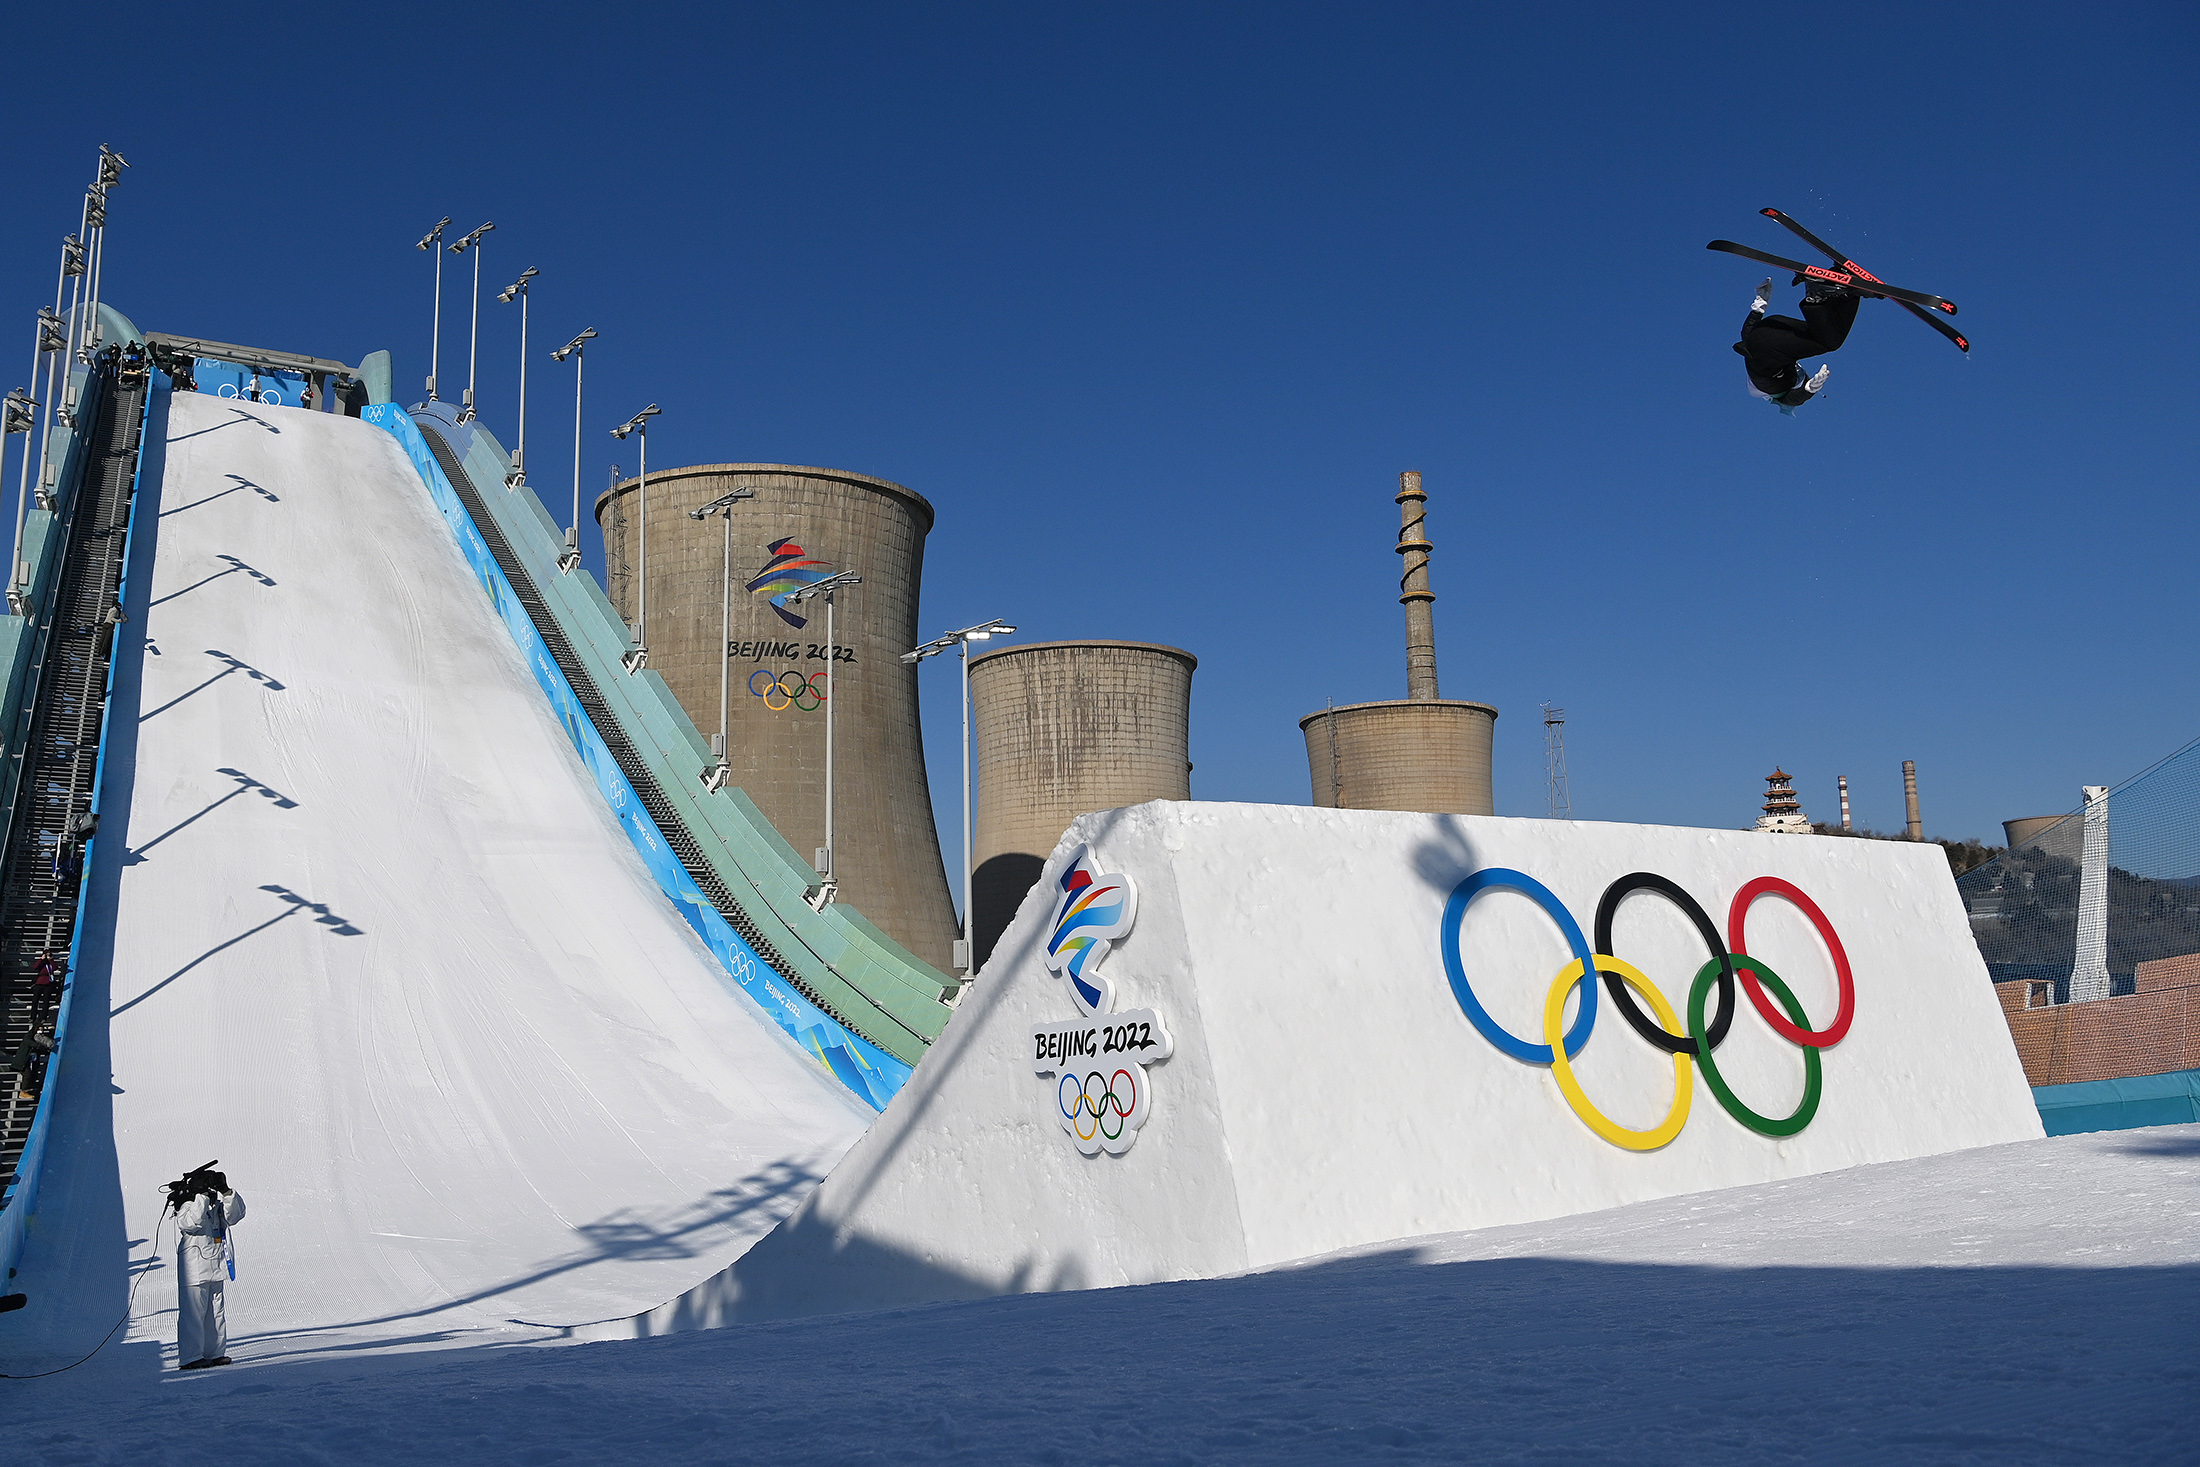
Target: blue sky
1154,302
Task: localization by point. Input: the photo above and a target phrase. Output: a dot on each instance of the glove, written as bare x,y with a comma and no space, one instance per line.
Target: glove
1764,296
1818,378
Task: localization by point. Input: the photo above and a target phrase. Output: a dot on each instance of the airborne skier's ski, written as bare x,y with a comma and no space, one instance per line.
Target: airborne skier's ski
1862,285
1860,272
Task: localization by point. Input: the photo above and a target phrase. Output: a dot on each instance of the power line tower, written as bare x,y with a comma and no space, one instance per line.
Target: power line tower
1554,761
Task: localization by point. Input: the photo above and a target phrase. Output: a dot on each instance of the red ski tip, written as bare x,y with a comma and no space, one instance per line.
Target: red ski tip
1770,213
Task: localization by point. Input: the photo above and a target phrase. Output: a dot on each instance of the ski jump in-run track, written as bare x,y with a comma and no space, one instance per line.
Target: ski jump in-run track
1772,346
381,947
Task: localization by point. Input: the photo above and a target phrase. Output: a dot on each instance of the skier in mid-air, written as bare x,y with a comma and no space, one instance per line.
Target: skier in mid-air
1771,346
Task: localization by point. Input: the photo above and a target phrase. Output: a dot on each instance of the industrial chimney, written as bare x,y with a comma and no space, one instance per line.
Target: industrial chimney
1426,753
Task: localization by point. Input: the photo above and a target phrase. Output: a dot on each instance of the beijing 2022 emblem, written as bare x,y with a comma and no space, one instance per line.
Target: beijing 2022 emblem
1101,1093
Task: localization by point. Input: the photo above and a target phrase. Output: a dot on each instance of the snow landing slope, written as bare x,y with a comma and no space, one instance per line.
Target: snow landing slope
380,948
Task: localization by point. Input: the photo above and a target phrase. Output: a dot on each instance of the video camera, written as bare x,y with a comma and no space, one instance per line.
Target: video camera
200,1181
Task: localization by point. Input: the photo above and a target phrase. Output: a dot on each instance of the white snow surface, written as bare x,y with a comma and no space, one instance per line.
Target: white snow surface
382,950
2037,1302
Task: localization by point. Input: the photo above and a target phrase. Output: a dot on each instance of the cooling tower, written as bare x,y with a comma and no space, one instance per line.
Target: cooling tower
2028,829
1427,753
804,524
1063,729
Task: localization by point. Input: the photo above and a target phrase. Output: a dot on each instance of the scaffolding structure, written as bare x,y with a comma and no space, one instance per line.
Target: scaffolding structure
1554,762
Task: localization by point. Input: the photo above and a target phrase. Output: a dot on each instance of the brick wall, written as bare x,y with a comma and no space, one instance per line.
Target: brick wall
2146,1032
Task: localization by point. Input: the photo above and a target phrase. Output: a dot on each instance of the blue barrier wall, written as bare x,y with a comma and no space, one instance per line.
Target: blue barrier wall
227,379
2119,1105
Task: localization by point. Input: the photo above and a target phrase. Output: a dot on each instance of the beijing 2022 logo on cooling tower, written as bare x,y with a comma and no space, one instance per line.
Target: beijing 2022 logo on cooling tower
1101,1093
1700,1039
789,569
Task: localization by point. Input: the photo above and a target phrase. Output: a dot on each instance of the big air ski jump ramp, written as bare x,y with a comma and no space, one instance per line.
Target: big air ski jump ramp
385,928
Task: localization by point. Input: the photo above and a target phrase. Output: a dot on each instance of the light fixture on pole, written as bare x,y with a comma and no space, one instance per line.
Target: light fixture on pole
111,164
518,476
715,773
53,342
19,414
435,339
984,631
576,349
473,349
826,889
95,225
72,264
637,657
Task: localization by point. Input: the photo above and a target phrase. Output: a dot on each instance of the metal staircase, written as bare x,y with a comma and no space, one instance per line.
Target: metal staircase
40,870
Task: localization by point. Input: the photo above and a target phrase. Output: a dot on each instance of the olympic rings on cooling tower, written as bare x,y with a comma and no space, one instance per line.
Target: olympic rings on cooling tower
790,688
1691,1046
1113,1104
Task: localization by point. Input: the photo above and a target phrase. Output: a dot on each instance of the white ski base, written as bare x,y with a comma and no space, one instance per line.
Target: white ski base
1327,1090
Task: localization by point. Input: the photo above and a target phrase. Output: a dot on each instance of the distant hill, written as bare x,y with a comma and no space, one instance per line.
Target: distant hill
1963,855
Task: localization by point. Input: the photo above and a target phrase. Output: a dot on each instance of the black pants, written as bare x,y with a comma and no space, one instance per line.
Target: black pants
1782,341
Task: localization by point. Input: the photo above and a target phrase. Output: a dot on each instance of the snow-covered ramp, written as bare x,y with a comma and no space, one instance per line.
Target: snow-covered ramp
380,947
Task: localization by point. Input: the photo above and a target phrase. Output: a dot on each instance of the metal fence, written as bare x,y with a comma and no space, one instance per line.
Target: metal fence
2076,908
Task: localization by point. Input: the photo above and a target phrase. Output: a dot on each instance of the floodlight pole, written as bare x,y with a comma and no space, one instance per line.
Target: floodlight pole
826,891
99,265
714,777
519,451
76,300
637,657
827,872
473,347
969,953
965,953
577,349
21,415
72,263
433,238
518,476
725,635
53,343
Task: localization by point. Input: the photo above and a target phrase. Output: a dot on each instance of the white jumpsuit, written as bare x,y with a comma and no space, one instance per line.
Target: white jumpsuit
202,1333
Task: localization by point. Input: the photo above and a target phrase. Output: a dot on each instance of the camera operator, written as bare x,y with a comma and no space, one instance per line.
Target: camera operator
206,1209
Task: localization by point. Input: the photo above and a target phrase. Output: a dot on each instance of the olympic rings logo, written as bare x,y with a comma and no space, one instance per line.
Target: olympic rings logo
1690,1046
1097,1105
790,688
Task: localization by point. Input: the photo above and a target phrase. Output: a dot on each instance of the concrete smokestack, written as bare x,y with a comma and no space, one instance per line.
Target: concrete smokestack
1414,592
1845,804
1425,752
1909,799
